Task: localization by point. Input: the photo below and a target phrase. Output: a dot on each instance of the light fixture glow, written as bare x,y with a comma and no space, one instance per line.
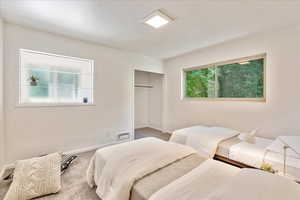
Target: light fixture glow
157,19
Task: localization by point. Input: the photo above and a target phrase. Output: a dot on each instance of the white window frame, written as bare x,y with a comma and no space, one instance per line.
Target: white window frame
56,104
239,60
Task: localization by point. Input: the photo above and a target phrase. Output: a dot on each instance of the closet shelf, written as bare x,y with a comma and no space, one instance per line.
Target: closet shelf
143,86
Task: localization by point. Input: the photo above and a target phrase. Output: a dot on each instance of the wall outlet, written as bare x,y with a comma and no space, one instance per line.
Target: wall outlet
124,136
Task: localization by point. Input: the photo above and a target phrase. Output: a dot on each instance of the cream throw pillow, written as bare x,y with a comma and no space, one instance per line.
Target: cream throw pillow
35,177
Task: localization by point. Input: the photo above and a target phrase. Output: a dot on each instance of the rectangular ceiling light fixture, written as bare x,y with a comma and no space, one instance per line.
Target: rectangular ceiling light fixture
157,19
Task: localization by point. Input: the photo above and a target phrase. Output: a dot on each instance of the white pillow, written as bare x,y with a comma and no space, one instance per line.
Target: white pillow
35,177
248,137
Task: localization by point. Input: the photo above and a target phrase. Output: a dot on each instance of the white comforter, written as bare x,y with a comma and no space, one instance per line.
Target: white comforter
204,139
217,181
114,169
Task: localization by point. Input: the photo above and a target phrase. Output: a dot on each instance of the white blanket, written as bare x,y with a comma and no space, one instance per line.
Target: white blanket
199,183
204,139
115,169
251,184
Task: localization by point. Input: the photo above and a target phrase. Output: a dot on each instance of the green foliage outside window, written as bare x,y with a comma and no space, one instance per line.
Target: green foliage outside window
200,83
236,80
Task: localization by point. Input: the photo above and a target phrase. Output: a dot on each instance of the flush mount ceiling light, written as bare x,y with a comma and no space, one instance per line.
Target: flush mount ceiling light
157,19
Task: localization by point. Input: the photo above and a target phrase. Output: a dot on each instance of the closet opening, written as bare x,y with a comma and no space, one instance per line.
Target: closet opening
148,105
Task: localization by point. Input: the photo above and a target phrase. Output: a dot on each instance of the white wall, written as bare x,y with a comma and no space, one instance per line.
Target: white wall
148,101
156,101
2,153
33,131
141,101
280,115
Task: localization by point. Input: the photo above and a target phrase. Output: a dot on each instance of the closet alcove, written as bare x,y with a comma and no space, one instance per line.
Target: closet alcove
148,98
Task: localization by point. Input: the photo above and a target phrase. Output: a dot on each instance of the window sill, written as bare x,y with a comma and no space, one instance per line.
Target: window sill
34,105
224,99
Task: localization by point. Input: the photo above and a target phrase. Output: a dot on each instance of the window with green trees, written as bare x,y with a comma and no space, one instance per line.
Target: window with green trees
242,78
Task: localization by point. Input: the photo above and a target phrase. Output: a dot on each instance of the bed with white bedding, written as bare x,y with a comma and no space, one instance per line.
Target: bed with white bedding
244,154
135,170
154,169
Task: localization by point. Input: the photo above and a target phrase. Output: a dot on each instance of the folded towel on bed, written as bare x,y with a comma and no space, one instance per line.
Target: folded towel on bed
115,169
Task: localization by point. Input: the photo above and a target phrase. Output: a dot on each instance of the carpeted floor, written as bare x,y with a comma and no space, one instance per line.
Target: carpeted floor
74,185
149,132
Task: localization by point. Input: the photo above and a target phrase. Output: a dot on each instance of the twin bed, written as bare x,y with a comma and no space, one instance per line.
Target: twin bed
136,170
157,170
237,152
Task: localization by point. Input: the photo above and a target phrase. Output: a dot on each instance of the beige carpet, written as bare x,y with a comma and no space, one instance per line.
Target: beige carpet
149,132
74,185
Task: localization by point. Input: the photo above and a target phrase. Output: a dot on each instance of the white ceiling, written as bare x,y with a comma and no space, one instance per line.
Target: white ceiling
117,23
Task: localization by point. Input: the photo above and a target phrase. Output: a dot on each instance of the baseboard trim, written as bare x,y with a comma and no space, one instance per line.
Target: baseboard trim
141,126
162,130
155,127
94,147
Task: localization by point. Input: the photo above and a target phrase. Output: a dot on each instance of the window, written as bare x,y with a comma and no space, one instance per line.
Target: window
238,79
54,79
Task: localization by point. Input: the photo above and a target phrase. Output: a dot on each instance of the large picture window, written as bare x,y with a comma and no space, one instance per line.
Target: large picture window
54,79
236,79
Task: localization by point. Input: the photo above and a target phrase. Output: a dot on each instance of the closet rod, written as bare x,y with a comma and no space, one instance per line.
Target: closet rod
144,86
